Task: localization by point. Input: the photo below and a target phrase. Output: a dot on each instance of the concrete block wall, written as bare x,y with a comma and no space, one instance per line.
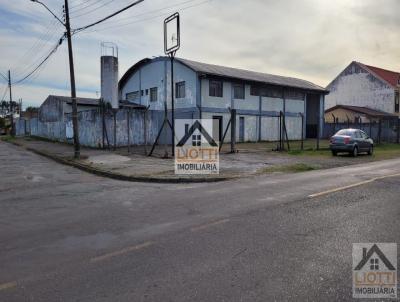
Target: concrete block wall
51,130
269,128
91,127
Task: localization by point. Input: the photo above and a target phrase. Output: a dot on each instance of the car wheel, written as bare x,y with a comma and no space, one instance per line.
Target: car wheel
355,151
334,153
371,150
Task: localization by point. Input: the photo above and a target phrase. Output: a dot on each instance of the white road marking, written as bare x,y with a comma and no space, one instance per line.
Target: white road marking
122,252
7,285
207,225
352,185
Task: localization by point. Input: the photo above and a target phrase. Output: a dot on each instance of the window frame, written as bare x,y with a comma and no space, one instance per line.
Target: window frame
151,94
357,134
179,88
269,91
135,93
255,90
216,89
363,134
242,86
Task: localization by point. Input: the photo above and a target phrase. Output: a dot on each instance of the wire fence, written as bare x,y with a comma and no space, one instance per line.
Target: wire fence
384,131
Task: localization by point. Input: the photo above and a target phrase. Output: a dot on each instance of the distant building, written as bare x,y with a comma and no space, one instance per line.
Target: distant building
209,91
356,114
55,107
365,86
29,113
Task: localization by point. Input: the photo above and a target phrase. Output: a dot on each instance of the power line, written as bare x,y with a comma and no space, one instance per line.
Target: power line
79,4
36,49
42,62
156,10
146,19
108,17
63,37
4,94
93,10
4,77
73,11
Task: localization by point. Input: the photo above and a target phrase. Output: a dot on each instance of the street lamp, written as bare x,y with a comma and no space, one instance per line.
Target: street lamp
71,72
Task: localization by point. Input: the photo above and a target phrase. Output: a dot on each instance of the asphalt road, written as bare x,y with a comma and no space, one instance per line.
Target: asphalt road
67,235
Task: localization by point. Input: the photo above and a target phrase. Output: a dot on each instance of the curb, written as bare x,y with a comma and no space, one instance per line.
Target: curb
118,176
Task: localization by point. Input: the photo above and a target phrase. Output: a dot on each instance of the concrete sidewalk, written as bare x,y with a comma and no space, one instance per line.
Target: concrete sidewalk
135,166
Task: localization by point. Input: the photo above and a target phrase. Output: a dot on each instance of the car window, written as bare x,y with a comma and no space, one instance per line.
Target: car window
364,135
345,132
357,134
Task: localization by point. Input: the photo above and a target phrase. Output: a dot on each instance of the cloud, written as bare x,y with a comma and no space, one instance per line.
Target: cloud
310,39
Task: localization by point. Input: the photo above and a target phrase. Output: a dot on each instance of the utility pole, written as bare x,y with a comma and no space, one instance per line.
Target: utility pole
67,26
73,88
71,71
11,103
172,106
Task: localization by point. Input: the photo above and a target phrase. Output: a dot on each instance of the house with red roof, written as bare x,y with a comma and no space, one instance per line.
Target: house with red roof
366,87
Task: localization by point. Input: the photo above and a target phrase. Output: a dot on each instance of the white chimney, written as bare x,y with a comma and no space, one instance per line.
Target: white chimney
109,73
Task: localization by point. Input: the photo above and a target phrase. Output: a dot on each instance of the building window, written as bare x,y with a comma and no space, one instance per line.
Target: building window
294,94
147,92
180,90
266,91
153,94
215,88
132,96
396,103
142,92
272,92
254,90
238,91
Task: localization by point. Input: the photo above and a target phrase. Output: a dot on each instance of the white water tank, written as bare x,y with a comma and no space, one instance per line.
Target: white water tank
109,73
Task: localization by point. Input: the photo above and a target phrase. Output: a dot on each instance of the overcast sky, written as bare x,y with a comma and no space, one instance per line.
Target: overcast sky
309,39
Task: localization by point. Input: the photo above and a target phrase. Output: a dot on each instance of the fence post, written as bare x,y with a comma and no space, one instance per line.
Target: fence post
318,128
233,130
379,131
129,135
280,131
334,124
302,131
370,128
145,131
102,123
115,129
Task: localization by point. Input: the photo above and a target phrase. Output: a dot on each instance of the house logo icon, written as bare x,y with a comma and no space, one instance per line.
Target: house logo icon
374,270
196,151
197,138
374,256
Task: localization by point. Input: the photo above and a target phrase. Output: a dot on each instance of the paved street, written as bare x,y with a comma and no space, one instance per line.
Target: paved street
71,236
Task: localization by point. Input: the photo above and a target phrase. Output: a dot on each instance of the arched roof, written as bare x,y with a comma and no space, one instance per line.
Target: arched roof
231,73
